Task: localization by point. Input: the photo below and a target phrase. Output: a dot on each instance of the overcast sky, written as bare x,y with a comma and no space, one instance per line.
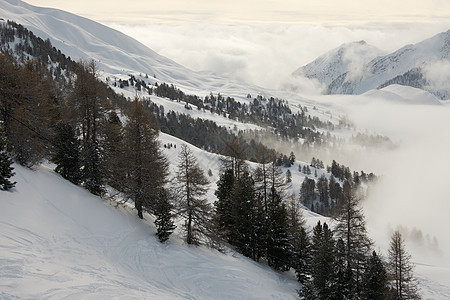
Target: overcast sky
318,12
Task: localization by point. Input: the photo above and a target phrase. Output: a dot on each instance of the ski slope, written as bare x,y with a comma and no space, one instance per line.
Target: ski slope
58,241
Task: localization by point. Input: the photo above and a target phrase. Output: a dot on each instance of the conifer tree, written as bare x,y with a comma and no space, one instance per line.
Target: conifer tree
375,280
145,168
401,269
163,212
301,254
278,239
248,231
322,190
288,176
66,152
6,169
113,152
224,219
322,251
343,274
351,228
191,204
89,103
307,195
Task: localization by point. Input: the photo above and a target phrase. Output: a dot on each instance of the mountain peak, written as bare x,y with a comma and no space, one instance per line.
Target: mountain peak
348,56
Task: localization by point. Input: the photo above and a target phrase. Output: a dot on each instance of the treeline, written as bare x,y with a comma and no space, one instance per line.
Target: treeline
266,112
21,43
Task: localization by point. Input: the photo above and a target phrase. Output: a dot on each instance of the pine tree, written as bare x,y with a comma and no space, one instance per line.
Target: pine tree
343,274
163,212
322,251
224,218
145,167
245,213
301,254
322,190
351,228
292,158
307,195
66,152
191,204
6,169
401,269
374,280
288,176
279,240
26,92
113,152
89,103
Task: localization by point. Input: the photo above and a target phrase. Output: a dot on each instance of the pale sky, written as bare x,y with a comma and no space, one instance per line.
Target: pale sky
293,11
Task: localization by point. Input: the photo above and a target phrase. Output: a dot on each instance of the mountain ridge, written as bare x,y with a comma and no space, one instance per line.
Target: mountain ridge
82,38
393,68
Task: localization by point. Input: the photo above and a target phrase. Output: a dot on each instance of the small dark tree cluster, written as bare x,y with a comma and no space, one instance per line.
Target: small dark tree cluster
66,154
343,266
6,169
251,214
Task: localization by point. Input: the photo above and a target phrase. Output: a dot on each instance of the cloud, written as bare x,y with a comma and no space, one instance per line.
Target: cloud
413,190
438,75
266,54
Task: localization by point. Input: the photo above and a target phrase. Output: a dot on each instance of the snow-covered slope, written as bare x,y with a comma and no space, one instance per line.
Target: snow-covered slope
58,241
384,68
356,68
115,52
404,94
350,57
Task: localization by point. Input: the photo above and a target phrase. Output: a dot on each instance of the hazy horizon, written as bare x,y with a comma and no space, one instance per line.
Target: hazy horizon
262,43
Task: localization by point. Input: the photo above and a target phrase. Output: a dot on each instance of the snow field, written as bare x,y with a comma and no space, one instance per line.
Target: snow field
58,241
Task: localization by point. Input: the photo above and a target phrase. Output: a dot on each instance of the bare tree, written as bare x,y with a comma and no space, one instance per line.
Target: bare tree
351,228
401,269
191,202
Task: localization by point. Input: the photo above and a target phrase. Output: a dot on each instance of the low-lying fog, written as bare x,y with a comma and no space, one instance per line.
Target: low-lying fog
413,193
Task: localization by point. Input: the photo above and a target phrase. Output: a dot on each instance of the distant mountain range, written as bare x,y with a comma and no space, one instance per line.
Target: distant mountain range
358,67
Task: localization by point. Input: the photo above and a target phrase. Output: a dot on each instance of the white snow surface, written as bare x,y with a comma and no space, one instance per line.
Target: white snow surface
113,51
402,94
58,241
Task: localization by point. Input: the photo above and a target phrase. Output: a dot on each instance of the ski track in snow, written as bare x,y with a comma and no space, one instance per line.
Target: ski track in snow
58,241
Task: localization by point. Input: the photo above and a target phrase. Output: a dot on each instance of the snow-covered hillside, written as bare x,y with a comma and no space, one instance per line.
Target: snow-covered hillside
115,52
58,241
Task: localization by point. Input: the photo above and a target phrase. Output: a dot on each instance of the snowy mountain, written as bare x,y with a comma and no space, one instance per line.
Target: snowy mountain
346,58
423,65
115,52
